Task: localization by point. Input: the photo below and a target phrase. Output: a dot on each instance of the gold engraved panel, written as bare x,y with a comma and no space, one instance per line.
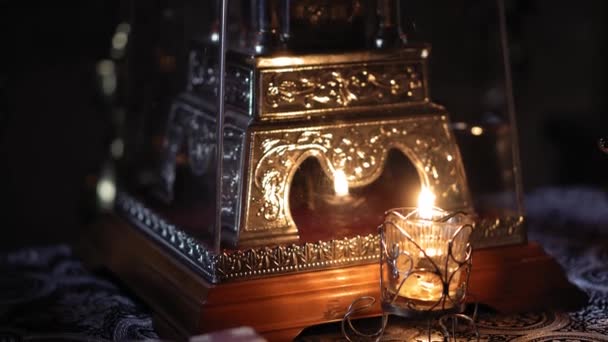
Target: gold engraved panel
359,148
315,90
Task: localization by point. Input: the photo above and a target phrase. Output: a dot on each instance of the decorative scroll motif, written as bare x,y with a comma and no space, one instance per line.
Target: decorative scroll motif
293,258
342,86
232,177
531,324
203,80
190,125
315,12
358,149
291,91
251,263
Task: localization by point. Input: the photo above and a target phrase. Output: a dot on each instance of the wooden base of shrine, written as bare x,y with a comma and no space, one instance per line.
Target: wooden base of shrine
508,279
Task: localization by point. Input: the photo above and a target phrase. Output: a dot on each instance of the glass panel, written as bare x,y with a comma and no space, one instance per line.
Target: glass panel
468,77
171,147
170,138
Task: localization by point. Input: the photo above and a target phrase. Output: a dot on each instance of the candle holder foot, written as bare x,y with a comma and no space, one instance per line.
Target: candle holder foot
449,324
359,305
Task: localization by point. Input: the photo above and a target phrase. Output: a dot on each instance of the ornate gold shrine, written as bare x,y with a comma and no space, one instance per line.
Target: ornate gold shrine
238,209
359,148
346,111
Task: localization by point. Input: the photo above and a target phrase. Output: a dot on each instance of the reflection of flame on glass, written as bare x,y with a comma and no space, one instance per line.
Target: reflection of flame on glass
340,183
426,202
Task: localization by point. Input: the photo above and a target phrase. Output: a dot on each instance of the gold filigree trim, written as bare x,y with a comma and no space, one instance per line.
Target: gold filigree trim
251,263
276,260
294,258
341,87
359,149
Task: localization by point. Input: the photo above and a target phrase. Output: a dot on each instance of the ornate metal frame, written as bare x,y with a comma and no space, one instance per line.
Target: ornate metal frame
313,90
359,148
276,116
250,263
254,262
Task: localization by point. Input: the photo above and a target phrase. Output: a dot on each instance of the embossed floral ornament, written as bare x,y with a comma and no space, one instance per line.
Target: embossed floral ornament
342,87
355,155
357,149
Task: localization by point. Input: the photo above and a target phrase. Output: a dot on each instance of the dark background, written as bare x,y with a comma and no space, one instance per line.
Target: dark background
55,131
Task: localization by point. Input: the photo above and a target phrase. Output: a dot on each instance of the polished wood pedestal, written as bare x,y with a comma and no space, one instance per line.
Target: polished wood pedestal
513,278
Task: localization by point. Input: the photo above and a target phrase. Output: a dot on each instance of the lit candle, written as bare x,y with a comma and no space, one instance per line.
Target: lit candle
419,270
339,205
425,285
341,195
426,204
422,271
340,184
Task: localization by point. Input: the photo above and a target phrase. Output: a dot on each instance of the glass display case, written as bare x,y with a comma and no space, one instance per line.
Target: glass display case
265,139
319,135
470,74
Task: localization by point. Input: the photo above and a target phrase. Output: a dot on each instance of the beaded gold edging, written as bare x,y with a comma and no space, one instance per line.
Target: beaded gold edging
293,258
251,263
196,255
277,260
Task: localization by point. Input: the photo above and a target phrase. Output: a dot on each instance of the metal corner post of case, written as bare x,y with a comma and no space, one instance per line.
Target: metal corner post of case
220,125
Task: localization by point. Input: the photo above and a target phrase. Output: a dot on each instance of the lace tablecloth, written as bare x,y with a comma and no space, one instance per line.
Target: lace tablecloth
47,294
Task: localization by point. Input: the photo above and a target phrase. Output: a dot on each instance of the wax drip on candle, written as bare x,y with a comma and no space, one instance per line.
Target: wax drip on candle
426,202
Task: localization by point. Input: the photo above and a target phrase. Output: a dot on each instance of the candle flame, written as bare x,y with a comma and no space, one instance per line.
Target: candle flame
426,202
340,183
432,252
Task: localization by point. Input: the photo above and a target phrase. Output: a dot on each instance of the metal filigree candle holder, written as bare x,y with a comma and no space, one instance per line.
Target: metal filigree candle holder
424,262
425,265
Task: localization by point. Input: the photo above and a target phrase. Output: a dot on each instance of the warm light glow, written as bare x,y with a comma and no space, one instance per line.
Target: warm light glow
106,191
284,61
459,125
476,130
426,202
340,183
432,252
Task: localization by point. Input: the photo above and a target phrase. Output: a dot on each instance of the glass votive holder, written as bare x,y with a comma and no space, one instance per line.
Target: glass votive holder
425,261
